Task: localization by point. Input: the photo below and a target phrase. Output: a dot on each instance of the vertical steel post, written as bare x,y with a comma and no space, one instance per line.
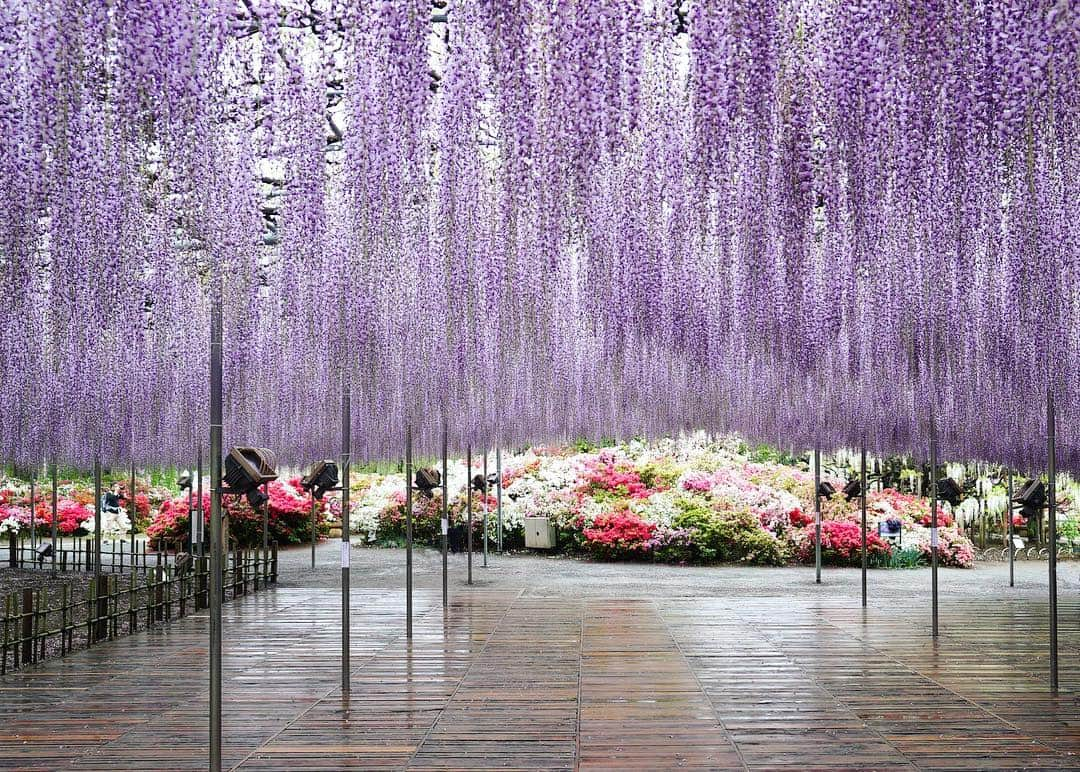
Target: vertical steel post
468,505
817,515
33,524
408,531
134,509
1051,522
313,528
192,517
216,557
199,503
933,526
445,512
484,493
97,520
1009,514
862,496
346,460
265,532
498,500
55,485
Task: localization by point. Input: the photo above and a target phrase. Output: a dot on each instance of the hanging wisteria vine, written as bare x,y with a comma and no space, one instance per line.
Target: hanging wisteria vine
811,221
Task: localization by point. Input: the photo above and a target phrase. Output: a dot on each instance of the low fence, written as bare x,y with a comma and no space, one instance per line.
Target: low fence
38,626
76,553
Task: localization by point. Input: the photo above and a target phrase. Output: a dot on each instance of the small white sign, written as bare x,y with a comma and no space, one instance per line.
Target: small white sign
344,554
445,526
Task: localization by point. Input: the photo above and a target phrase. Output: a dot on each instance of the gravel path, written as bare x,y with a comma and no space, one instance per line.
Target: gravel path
540,574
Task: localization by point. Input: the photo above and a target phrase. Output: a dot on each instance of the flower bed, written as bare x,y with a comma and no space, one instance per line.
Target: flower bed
288,518
688,501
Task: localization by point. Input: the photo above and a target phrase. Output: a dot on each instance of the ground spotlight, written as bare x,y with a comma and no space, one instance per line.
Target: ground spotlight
825,489
246,469
322,477
479,483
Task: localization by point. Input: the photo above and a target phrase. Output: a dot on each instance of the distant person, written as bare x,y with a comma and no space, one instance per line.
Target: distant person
110,500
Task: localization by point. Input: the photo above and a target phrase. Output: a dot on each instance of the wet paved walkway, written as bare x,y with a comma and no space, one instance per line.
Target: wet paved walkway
510,677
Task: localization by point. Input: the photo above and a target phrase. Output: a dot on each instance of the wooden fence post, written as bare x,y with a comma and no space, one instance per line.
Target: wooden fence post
273,562
101,630
159,594
13,560
26,634
4,646
202,572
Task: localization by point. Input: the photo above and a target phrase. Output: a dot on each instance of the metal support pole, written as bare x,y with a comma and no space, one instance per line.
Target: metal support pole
468,506
408,531
192,517
445,512
55,485
33,524
313,528
484,520
199,503
97,520
498,500
862,496
817,515
265,530
933,526
346,459
1009,514
1051,522
134,509
216,557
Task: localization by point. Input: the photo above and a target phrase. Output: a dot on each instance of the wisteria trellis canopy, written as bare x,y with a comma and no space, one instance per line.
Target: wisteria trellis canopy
811,221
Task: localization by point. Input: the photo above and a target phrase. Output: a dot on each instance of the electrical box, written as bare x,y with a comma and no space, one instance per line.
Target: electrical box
539,533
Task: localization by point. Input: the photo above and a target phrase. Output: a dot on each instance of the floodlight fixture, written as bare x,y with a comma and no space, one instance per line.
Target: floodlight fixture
427,480
322,477
825,489
1032,498
246,470
852,489
183,480
44,550
493,480
479,483
949,491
